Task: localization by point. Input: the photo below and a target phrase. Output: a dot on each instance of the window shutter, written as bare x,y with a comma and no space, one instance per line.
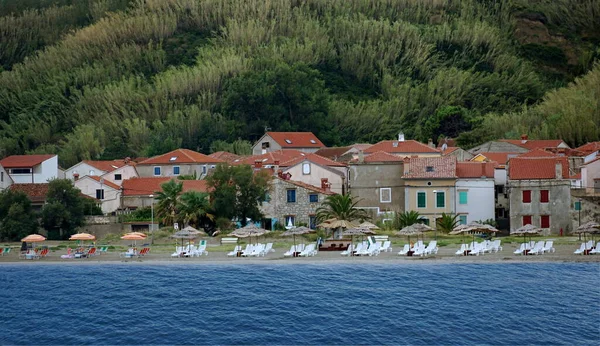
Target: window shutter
526,196
421,203
462,197
441,200
526,220
544,196
545,221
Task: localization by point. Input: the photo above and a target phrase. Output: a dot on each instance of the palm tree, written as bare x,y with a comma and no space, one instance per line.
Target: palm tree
447,222
194,206
166,209
340,207
406,219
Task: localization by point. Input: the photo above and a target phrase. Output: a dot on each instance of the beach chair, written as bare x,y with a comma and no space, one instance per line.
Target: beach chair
431,248
348,251
496,245
521,249
257,250
268,248
6,251
69,254
91,252
404,250
580,250
131,253
537,249
43,253
548,247
386,247
461,251
235,251
290,252
358,249
248,250
596,249
308,251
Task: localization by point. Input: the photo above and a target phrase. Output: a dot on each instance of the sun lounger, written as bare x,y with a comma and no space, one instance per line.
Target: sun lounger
581,249
386,247
537,249
461,251
431,248
521,249
596,249
348,251
102,250
404,250
548,247
235,251
248,250
6,251
309,250
68,255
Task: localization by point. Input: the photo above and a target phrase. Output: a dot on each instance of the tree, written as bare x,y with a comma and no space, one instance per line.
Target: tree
238,147
341,207
64,210
17,218
168,201
447,222
194,208
237,191
406,219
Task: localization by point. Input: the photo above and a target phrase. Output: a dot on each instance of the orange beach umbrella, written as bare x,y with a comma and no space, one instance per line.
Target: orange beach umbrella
34,238
82,236
140,234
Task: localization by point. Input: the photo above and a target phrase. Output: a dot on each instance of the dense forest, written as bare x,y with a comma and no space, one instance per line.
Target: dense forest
115,78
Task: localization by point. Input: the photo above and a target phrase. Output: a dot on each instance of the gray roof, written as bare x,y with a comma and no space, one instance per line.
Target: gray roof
497,147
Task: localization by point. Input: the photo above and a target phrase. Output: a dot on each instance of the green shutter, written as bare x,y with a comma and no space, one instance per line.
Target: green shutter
462,197
577,205
462,219
441,200
421,203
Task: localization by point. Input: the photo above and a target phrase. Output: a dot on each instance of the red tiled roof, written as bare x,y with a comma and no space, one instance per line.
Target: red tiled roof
501,158
449,150
107,165
534,143
450,142
537,168
24,161
225,156
296,139
149,186
404,147
538,153
475,169
180,156
35,192
431,167
307,186
381,156
105,182
320,160
589,148
270,157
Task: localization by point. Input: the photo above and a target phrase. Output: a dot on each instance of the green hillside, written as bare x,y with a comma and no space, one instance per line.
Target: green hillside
116,78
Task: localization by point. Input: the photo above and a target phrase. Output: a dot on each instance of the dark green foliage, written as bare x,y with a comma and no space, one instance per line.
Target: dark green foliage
64,210
17,219
237,192
406,218
447,222
548,54
341,207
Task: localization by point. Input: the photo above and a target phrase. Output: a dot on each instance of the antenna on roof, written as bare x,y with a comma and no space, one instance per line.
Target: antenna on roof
267,129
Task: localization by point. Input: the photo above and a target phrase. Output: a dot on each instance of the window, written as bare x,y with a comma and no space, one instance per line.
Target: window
313,198
204,169
173,158
424,221
429,169
421,200
176,170
526,220
577,205
545,221
99,193
440,199
526,196
462,197
118,177
291,196
156,170
544,196
312,221
1,176
265,145
290,220
462,219
306,168
313,141
92,172
288,141
385,195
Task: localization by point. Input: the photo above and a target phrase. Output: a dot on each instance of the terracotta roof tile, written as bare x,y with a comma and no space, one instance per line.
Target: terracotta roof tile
380,156
107,165
296,139
475,169
270,157
537,168
24,161
401,147
320,160
538,153
180,156
501,158
149,186
35,192
430,167
225,156
535,143
449,150
105,182
589,148
307,186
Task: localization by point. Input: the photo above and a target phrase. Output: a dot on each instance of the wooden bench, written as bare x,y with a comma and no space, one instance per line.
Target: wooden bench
229,241
381,238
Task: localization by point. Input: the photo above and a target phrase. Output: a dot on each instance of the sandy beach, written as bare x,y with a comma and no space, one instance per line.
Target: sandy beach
564,253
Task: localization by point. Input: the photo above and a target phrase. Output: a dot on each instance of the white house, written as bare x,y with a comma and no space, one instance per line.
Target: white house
475,191
31,169
272,141
98,168
108,193
5,180
120,174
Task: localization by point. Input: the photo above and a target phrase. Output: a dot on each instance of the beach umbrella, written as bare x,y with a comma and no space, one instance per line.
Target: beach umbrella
475,227
525,230
134,237
191,230
137,233
414,229
249,230
335,224
34,238
184,234
297,231
589,227
368,225
82,237
354,231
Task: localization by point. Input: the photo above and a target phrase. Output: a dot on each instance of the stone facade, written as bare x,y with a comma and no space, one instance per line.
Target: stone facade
277,208
379,187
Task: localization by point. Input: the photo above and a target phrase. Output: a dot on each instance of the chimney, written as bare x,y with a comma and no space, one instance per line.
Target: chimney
401,137
275,165
325,184
483,170
258,164
558,170
127,160
430,143
75,176
361,157
280,174
524,138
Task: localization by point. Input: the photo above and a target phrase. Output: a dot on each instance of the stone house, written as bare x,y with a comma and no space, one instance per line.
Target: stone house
376,181
475,199
430,186
177,162
293,202
272,141
539,193
32,169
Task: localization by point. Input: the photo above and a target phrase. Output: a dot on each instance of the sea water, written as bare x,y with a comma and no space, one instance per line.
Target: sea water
127,303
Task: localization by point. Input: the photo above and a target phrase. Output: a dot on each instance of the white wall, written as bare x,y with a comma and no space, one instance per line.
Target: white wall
111,199
500,176
316,173
127,172
480,199
5,180
83,169
42,173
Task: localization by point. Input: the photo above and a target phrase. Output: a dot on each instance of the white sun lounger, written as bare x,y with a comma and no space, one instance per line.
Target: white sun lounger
404,250
537,249
548,247
235,251
386,247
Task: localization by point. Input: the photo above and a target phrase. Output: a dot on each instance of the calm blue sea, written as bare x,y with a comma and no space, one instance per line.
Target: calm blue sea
422,304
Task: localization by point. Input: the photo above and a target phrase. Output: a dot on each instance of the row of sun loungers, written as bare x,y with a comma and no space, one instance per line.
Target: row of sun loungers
4,251
476,248
302,250
367,249
535,248
34,253
589,248
252,250
190,251
419,249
